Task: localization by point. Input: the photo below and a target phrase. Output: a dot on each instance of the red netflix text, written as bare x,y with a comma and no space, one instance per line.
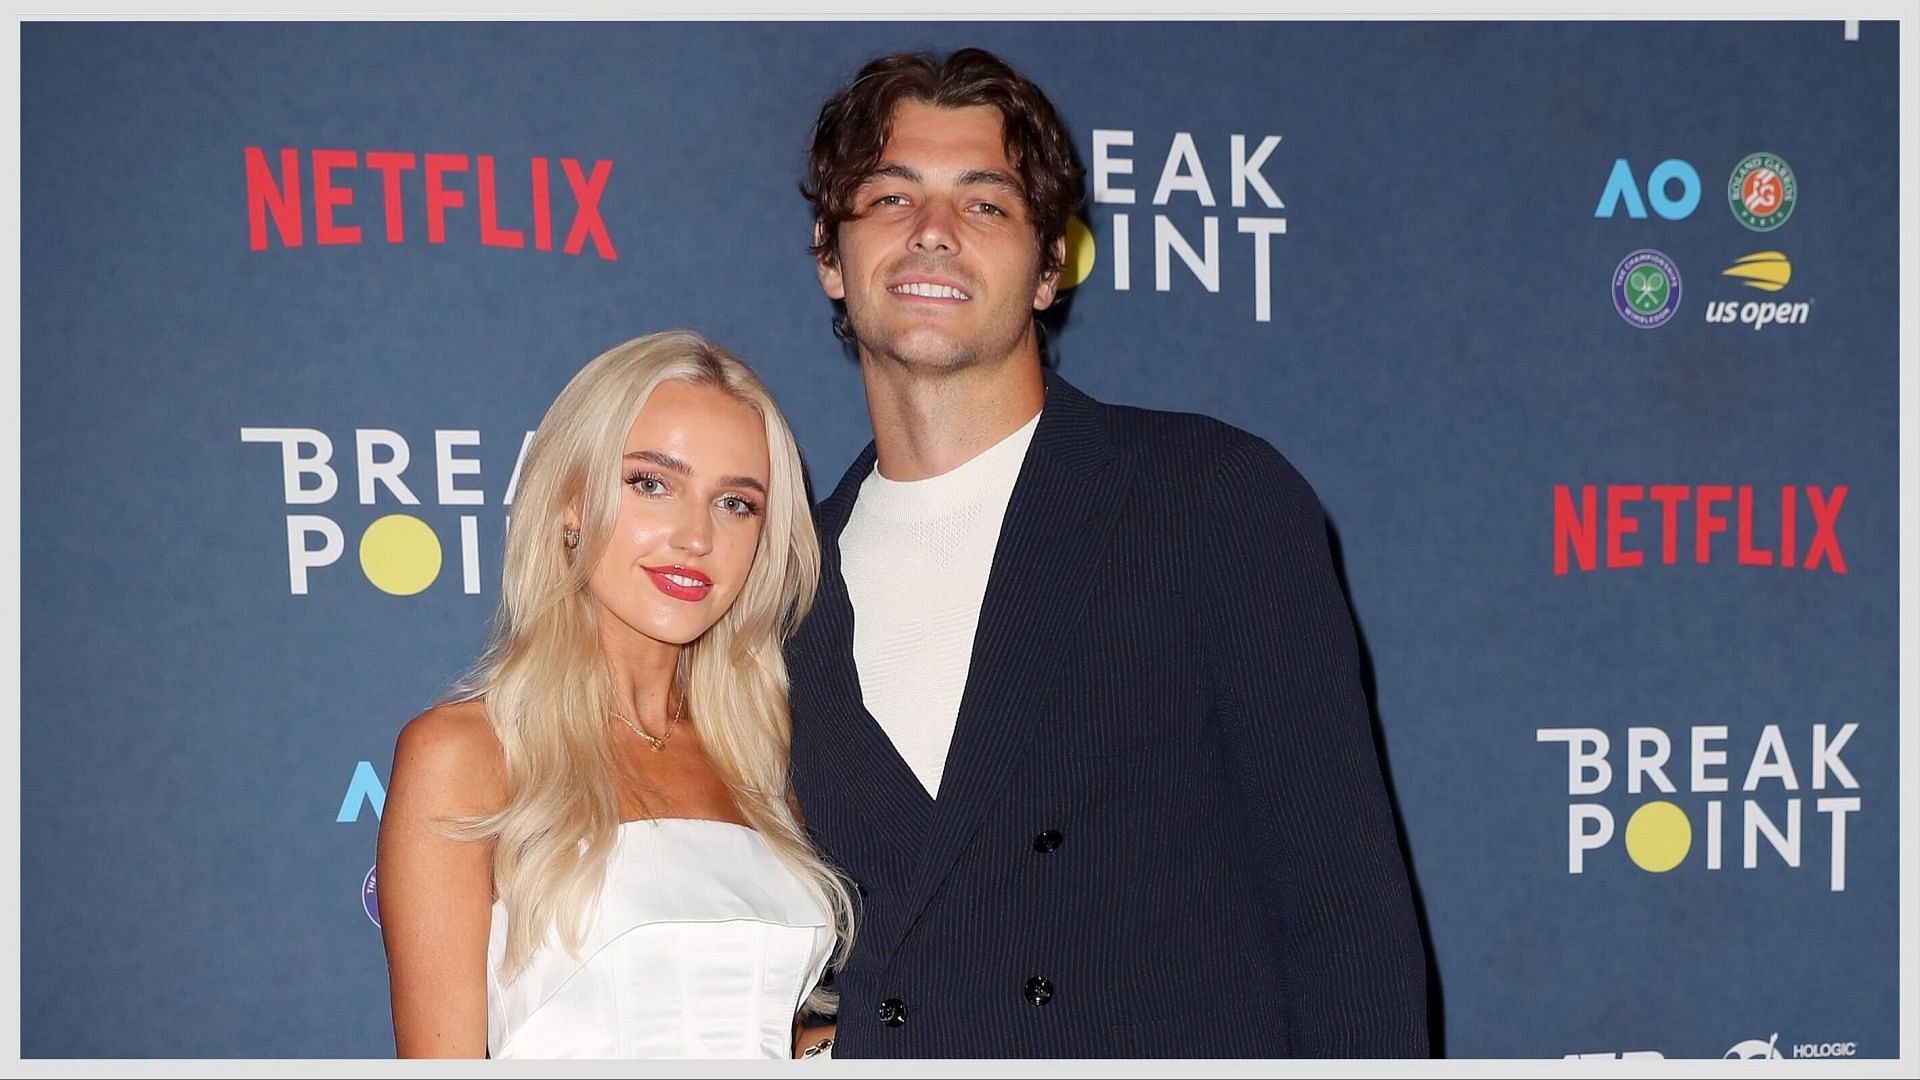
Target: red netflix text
1612,515
279,197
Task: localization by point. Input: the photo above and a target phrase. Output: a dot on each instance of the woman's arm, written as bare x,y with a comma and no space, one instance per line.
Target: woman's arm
806,1037
436,894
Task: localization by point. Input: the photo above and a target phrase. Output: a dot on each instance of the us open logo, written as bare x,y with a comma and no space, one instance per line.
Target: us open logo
1768,272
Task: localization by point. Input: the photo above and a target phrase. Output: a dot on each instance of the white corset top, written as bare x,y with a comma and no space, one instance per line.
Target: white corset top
703,944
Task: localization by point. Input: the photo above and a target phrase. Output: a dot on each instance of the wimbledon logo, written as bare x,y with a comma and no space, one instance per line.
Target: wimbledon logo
1646,288
370,895
1762,192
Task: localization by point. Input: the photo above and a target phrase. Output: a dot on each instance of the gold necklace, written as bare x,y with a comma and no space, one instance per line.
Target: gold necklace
659,742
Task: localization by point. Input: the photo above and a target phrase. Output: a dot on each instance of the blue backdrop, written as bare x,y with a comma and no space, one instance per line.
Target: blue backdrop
1647,775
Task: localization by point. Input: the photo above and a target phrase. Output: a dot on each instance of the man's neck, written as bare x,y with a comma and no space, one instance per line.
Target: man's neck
928,424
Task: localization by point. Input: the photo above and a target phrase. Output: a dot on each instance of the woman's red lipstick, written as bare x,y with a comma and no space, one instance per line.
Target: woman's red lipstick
692,584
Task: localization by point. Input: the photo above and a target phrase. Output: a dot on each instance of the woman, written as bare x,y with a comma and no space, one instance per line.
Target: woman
591,849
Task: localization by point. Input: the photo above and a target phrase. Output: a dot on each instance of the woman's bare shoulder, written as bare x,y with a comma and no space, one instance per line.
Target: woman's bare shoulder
451,750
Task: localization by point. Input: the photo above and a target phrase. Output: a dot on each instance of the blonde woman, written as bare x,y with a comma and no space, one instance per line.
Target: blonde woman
591,850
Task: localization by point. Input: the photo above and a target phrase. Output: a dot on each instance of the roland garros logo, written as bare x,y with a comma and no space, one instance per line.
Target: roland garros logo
1762,192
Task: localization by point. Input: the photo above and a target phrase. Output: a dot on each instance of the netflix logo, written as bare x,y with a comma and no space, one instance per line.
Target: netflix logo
1728,524
442,184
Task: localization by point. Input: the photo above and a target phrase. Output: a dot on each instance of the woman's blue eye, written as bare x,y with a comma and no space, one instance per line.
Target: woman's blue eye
647,484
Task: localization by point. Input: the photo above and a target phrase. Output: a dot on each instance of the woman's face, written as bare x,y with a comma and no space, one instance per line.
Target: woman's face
694,496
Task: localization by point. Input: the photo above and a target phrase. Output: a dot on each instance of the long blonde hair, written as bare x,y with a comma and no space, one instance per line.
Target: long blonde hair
545,684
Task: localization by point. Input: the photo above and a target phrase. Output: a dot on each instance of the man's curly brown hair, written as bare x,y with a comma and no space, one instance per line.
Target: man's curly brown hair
854,125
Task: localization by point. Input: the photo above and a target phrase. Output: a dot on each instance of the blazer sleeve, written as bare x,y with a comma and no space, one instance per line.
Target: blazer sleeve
1287,693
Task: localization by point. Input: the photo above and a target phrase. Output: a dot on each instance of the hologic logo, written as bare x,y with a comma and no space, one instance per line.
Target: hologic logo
1762,192
1646,288
1754,1049
370,896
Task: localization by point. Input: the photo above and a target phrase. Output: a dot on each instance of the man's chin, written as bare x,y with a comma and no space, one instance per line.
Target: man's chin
933,354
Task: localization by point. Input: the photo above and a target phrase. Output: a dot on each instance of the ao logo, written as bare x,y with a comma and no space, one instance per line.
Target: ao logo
1622,189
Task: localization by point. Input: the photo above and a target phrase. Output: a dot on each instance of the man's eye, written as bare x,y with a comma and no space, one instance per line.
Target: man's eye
990,208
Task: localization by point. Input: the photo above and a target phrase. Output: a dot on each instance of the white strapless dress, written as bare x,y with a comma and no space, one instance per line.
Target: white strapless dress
702,945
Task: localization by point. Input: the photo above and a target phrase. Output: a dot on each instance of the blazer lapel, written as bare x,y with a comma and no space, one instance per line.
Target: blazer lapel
1052,536
867,767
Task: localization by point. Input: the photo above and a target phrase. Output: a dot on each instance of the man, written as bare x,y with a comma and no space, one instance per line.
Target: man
1078,706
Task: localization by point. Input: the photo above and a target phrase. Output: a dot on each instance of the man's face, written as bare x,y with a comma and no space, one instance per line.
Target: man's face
938,267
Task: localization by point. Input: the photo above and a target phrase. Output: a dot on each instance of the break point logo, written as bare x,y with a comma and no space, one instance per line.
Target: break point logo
1709,815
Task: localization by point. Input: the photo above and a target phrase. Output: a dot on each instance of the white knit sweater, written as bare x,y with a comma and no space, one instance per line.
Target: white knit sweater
916,555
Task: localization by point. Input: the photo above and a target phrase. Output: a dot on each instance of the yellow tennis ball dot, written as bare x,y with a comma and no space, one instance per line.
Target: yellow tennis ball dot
400,554
1080,255
1658,837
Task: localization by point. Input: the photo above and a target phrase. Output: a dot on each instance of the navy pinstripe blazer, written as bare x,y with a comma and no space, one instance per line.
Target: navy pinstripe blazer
1162,829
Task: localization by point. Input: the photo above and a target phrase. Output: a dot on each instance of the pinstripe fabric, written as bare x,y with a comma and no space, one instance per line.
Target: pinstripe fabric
1165,676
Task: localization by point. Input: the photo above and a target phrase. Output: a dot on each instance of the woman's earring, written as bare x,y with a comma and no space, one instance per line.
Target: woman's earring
572,537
